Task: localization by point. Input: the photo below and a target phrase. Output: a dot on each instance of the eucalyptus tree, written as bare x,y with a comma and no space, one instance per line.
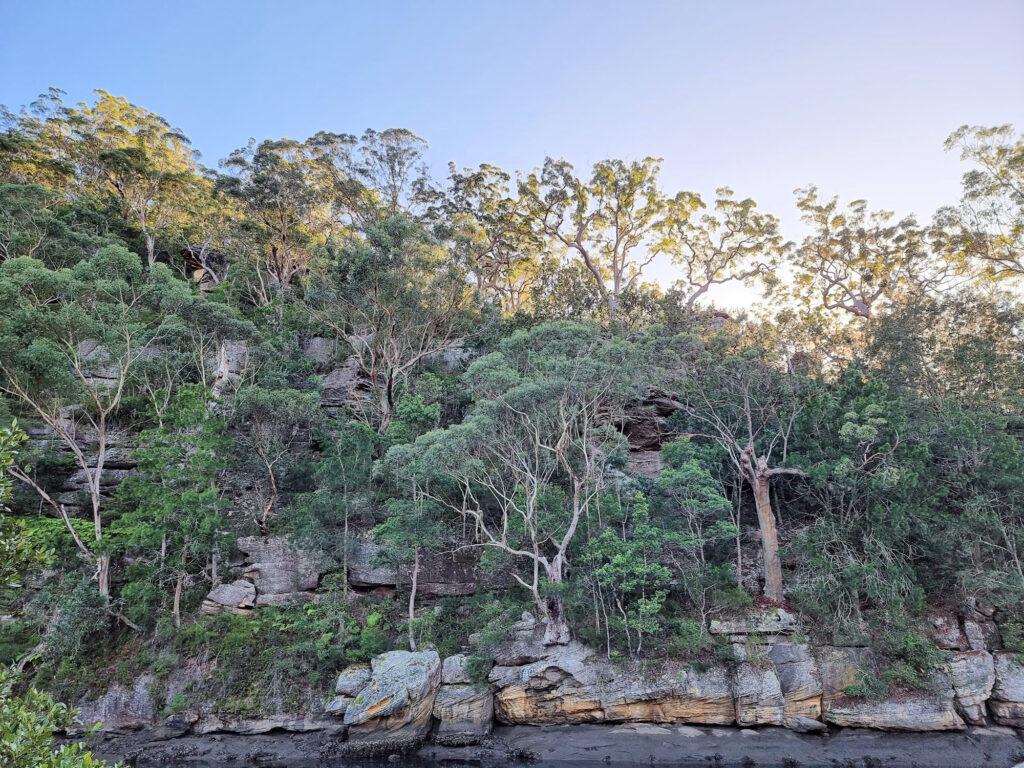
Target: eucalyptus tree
988,225
70,342
390,163
735,243
109,149
524,468
608,223
738,398
172,512
488,228
395,298
855,259
272,181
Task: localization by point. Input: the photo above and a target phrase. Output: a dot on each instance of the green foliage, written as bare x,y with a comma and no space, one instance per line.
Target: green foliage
28,724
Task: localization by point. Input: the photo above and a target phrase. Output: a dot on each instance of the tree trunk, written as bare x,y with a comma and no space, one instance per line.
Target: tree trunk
769,538
103,575
412,598
557,630
176,609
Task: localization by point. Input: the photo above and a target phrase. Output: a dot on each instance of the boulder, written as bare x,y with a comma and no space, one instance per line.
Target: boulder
339,387
981,633
237,597
352,680
281,573
336,707
841,667
122,707
943,627
229,364
454,671
393,711
645,464
799,679
1007,702
774,621
361,571
451,358
973,675
570,686
526,645
758,695
465,714
319,349
799,724
445,574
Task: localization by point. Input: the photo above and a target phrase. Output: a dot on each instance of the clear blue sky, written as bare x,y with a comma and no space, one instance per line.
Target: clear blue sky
763,96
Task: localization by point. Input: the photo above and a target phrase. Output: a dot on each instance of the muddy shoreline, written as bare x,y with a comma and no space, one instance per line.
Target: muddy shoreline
585,745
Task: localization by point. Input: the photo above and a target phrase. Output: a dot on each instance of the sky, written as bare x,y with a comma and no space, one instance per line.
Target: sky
763,96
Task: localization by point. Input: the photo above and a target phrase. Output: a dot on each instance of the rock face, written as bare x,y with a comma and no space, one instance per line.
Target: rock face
362,573
799,679
122,707
973,675
281,573
238,597
915,711
569,686
1007,702
231,361
465,714
776,621
340,386
352,680
393,711
758,695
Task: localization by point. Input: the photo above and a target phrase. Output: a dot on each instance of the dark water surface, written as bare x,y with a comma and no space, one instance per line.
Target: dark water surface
621,746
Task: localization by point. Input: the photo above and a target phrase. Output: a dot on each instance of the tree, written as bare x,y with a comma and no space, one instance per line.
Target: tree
527,464
486,224
734,397
606,223
27,722
171,519
148,166
280,184
395,299
736,243
271,422
70,340
989,223
391,164
855,259
17,554
630,569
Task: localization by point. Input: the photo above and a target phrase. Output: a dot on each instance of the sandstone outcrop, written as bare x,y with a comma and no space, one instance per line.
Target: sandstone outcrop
393,711
465,714
352,680
238,597
1007,702
841,668
799,679
570,686
122,707
281,573
973,675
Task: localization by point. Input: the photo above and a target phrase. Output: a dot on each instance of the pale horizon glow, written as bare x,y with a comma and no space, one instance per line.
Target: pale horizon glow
761,97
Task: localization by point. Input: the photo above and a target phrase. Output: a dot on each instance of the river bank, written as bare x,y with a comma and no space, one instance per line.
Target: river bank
583,745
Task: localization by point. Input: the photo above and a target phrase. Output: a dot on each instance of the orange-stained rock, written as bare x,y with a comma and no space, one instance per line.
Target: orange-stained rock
571,686
932,710
393,711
